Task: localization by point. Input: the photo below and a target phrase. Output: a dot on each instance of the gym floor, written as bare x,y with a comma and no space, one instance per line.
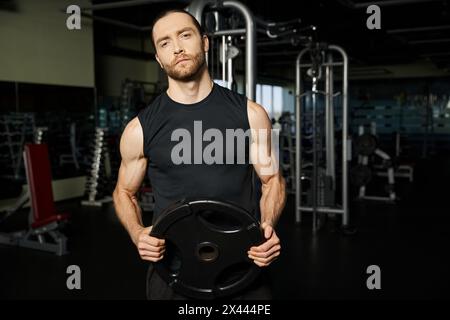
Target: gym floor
407,240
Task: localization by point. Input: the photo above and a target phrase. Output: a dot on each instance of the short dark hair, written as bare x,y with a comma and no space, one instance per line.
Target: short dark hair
166,13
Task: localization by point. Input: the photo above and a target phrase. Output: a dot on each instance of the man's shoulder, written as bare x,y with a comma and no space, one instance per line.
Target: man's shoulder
131,140
256,109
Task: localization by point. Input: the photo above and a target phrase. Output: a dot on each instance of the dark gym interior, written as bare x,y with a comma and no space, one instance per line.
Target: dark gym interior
358,85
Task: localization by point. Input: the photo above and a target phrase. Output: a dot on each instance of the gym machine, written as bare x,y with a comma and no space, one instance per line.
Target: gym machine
402,170
16,130
316,125
366,147
286,123
73,156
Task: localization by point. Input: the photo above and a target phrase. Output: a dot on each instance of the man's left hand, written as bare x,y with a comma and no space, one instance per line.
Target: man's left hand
264,254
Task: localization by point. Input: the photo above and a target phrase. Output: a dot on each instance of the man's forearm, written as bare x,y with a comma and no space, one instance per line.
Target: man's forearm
273,199
128,212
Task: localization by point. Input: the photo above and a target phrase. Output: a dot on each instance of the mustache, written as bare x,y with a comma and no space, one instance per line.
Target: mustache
184,56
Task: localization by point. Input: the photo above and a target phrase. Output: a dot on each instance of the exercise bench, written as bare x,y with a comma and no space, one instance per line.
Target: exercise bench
44,221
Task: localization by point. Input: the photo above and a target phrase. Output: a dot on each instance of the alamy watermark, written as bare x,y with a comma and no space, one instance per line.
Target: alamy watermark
374,20
374,280
74,279
264,147
73,22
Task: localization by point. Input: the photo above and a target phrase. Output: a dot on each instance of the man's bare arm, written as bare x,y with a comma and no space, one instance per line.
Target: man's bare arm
131,174
273,198
265,162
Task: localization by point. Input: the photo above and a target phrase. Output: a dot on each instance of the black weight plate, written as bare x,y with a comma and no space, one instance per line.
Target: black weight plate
206,248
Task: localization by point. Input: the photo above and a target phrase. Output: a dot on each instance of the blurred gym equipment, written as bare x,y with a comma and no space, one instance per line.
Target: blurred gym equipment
43,232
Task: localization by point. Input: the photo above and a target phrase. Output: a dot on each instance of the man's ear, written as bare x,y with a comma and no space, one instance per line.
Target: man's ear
205,43
159,61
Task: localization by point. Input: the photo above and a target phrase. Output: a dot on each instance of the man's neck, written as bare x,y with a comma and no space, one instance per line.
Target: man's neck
192,91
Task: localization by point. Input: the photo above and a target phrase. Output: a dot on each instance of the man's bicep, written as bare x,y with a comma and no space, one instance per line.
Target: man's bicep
262,154
134,164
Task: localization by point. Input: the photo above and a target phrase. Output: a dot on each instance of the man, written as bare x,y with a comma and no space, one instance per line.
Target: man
191,99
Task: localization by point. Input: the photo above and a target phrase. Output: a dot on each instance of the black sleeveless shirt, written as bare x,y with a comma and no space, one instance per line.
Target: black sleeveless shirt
166,124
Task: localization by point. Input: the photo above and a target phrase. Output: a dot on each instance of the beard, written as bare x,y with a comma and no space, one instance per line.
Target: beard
187,71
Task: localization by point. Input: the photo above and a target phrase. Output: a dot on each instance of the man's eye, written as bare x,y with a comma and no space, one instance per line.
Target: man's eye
186,35
163,44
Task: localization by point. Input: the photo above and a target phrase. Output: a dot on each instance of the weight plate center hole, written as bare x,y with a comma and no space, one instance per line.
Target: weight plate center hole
207,252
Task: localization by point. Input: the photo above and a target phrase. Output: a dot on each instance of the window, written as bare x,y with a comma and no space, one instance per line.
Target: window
271,98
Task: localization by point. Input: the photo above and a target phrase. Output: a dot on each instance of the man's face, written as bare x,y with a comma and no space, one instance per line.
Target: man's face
180,49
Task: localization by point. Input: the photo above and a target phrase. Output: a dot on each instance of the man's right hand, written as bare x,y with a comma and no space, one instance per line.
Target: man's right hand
150,248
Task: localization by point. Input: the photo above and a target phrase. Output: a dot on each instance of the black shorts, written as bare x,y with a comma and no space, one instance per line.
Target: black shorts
158,289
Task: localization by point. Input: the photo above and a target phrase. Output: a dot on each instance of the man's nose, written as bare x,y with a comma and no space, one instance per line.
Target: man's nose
177,48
